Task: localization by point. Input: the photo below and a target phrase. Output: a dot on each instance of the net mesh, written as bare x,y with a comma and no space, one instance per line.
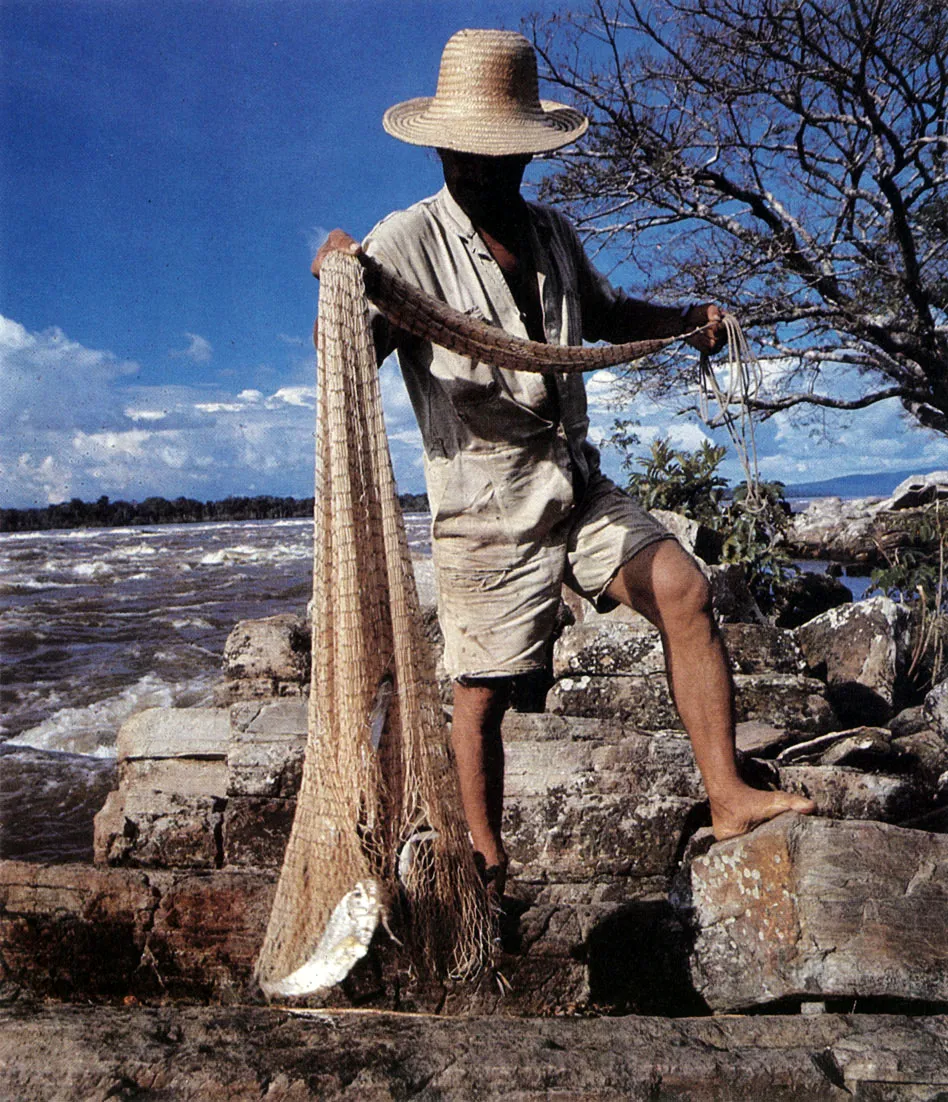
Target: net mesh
378,830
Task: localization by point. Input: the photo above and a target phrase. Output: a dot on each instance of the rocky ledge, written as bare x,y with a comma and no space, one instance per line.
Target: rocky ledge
201,1054
821,940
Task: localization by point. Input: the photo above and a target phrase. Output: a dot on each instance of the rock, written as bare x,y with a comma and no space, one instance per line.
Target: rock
762,740
608,647
935,709
909,721
830,528
731,596
927,756
276,648
74,931
207,931
638,700
255,831
184,776
696,538
868,748
805,908
762,648
586,804
843,793
803,596
867,532
860,650
148,829
917,490
269,1054
268,741
259,689
781,700
157,734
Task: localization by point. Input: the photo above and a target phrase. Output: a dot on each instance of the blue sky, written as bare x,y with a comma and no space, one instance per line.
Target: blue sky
168,168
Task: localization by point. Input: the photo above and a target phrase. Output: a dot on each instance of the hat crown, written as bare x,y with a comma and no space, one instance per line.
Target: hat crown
487,101
491,68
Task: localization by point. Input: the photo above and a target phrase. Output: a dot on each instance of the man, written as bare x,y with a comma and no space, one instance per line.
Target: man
519,505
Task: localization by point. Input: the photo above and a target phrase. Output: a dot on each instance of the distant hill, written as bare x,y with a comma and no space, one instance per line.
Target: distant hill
880,484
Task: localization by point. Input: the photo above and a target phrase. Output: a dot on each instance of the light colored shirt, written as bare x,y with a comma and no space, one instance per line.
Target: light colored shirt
502,467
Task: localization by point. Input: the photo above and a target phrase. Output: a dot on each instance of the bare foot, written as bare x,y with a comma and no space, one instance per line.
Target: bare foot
734,814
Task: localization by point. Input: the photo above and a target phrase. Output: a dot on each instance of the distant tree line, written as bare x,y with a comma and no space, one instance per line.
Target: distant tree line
158,510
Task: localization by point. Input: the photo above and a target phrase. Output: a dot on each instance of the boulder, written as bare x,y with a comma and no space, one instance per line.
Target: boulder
860,651
835,529
74,931
612,647
588,803
267,744
696,538
843,793
150,829
918,490
935,709
806,908
276,649
868,748
207,932
254,831
802,596
161,734
731,596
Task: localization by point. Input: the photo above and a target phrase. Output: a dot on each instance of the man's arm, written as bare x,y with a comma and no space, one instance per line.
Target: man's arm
632,319
611,315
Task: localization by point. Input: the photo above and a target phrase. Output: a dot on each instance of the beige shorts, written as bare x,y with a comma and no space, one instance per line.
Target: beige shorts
497,622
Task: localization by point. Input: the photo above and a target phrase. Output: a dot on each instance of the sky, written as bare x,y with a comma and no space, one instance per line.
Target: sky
167,170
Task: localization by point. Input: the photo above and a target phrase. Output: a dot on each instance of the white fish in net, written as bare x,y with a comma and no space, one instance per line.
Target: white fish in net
344,942
409,852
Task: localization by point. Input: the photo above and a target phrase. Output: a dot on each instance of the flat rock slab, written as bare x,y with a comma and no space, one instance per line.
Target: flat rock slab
62,1053
175,733
780,700
806,908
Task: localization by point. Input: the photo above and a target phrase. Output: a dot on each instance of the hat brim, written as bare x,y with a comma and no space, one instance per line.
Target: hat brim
425,121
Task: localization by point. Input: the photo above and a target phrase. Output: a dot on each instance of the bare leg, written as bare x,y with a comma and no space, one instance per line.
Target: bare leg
664,584
479,708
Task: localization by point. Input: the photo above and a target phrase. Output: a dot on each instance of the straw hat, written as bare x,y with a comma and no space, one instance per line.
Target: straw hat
487,101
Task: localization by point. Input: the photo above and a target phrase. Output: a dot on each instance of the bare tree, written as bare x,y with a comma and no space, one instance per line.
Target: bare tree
788,158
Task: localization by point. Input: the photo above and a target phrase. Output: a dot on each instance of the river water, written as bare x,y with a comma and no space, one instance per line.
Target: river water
97,624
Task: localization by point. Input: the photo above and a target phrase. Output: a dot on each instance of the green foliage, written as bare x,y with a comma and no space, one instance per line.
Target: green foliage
682,482
752,521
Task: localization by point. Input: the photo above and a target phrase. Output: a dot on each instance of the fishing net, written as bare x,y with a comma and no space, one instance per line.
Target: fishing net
378,830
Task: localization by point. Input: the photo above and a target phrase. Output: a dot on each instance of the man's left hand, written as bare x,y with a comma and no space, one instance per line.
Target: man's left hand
711,339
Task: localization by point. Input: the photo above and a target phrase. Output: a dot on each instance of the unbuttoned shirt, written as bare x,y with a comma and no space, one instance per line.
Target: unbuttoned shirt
506,453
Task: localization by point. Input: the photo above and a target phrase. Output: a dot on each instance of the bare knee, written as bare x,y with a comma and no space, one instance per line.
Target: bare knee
682,592
664,583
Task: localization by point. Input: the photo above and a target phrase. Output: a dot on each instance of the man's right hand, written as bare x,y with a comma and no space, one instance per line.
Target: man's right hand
338,241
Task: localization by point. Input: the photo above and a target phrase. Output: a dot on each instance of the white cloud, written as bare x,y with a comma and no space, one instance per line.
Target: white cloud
199,349
106,433
302,396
